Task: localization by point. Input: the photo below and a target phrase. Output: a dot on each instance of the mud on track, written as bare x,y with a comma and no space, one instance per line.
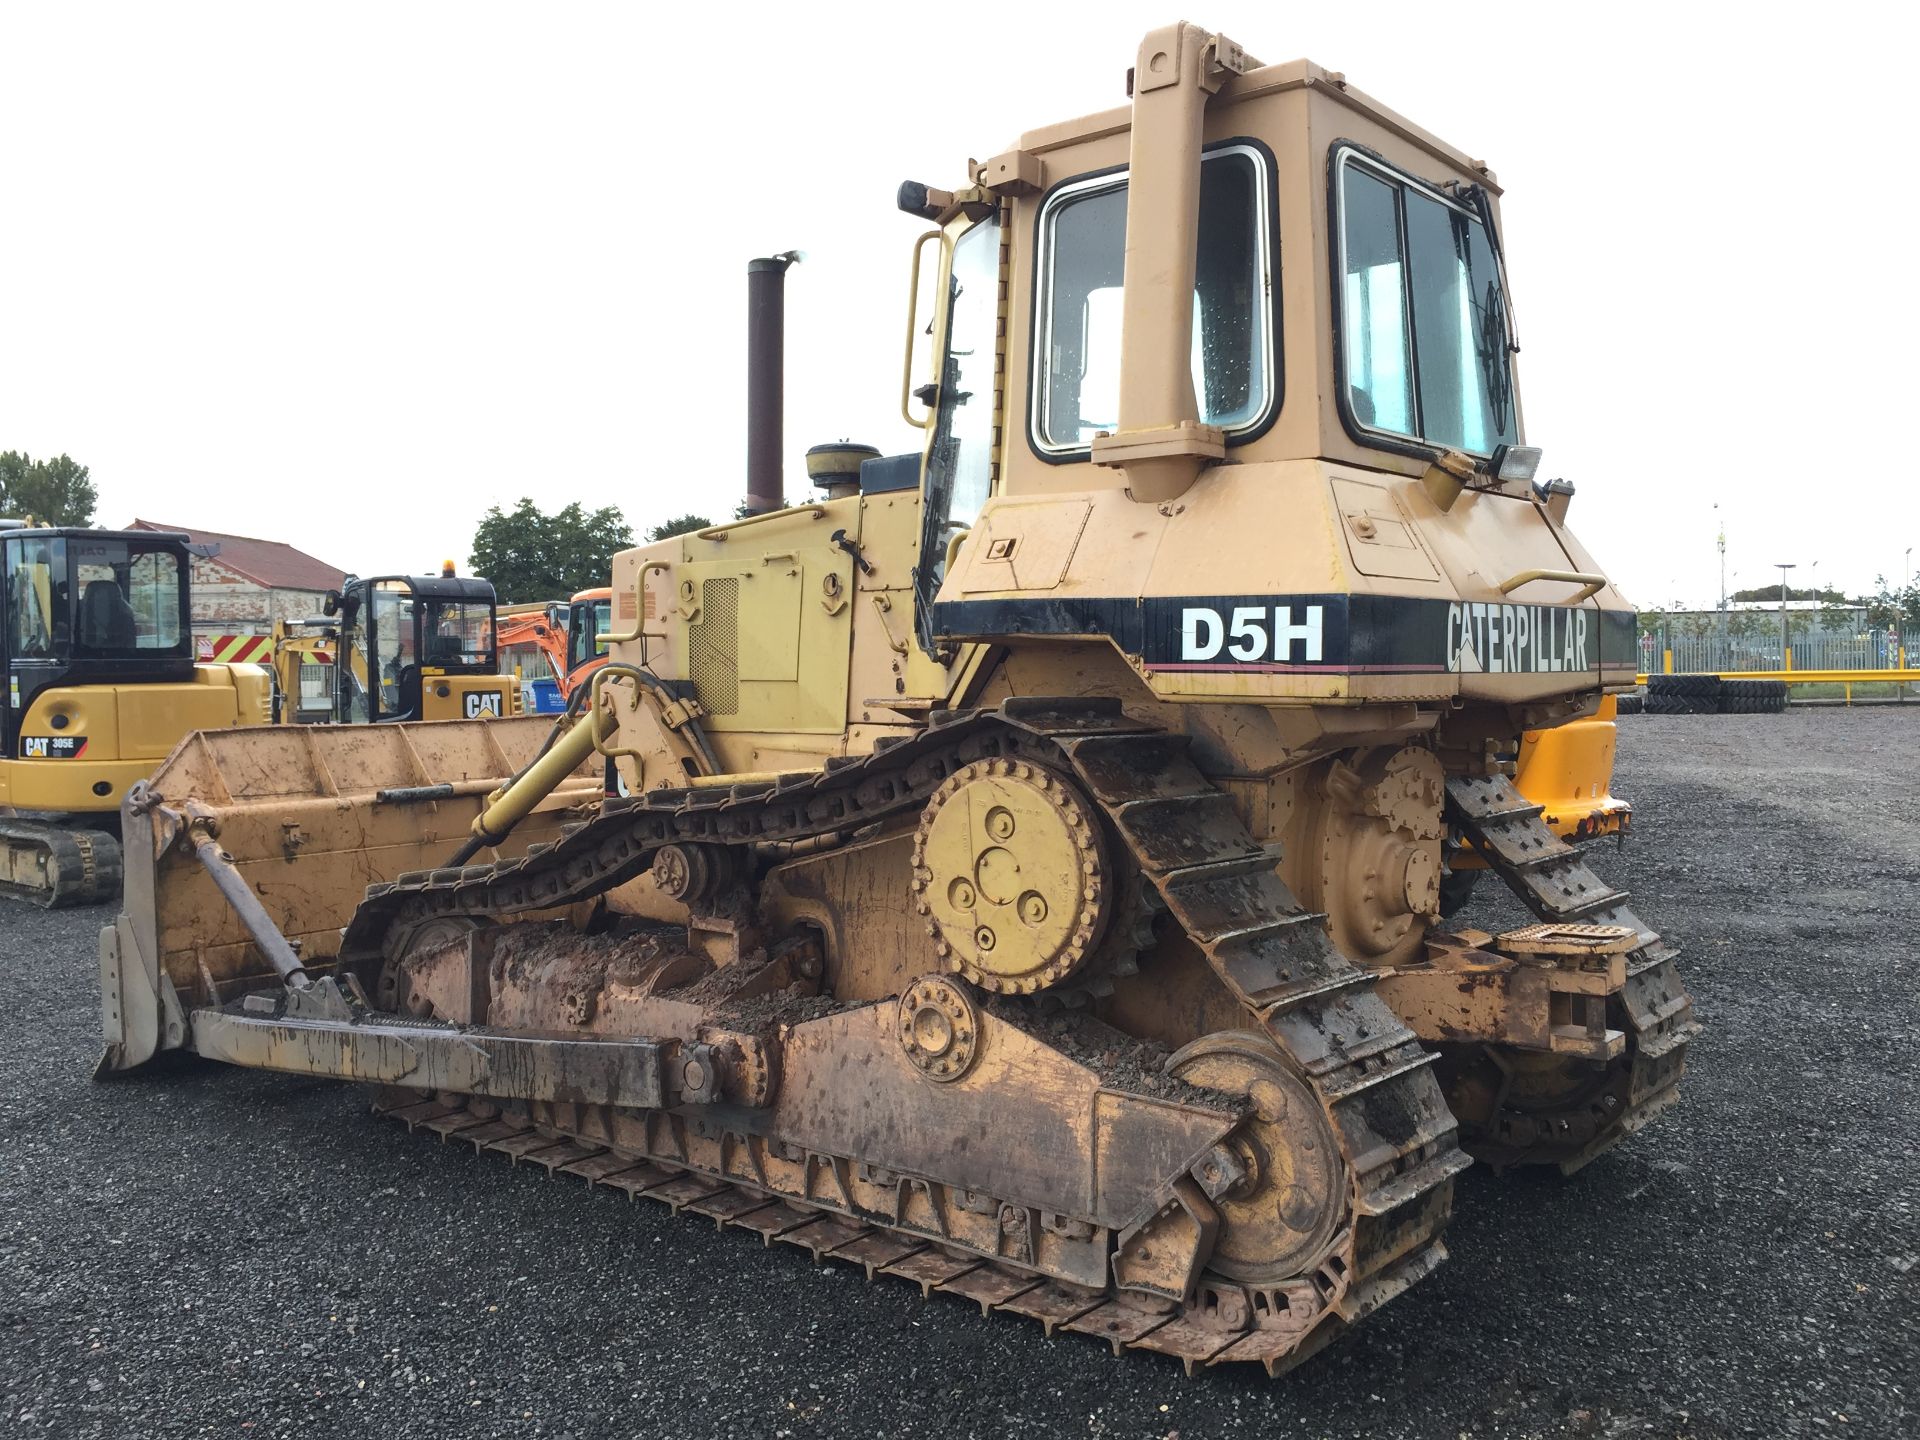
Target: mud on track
206,1252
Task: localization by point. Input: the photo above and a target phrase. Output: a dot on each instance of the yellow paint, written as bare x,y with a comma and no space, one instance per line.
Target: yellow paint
468,697
127,730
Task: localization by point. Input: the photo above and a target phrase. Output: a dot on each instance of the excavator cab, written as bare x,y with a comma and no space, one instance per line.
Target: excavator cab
419,647
101,682
86,608
589,618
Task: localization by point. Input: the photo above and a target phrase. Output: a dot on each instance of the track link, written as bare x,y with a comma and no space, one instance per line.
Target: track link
1654,1009
1369,1073
1125,1323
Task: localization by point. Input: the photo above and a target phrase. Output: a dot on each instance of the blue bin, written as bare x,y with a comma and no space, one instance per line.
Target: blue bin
547,699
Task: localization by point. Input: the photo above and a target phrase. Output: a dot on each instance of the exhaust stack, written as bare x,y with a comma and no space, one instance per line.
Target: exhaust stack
766,378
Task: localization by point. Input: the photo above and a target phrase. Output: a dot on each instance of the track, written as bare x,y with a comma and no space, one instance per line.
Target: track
1368,1073
1549,876
66,866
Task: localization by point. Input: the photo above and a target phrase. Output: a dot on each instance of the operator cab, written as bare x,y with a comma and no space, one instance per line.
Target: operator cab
589,616
404,638
88,607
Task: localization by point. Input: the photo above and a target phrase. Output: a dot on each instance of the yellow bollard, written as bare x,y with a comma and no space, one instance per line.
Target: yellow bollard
1666,664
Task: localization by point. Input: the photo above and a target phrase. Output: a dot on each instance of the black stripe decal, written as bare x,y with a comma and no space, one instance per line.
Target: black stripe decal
1309,634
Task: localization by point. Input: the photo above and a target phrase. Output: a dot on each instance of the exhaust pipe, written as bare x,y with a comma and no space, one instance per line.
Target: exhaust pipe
766,380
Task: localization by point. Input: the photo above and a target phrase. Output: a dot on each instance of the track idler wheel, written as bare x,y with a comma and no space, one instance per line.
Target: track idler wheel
1279,1218
1520,1107
1011,876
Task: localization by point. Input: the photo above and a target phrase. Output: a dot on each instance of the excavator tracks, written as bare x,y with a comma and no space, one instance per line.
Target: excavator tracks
52,866
1378,1096
1654,1009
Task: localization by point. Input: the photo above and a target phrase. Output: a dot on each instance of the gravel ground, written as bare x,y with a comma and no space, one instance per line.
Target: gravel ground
209,1252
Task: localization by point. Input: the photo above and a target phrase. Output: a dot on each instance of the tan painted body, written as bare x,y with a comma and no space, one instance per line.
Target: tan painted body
1024,881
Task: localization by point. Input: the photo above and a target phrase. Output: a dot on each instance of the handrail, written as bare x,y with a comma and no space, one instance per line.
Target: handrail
913,316
639,609
720,532
1591,583
1904,675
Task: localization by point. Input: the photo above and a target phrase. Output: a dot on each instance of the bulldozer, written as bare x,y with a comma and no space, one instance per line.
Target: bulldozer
102,682
1023,870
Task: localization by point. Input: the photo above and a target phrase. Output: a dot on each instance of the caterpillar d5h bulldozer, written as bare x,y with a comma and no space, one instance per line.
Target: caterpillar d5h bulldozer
1023,869
101,683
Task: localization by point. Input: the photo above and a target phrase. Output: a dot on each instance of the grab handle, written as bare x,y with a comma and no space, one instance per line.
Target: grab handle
1590,584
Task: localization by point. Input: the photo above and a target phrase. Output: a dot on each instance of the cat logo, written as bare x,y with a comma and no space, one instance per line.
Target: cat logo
51,747
482,704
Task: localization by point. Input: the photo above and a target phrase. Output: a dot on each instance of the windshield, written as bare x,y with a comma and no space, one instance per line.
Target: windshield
1423,330
93,598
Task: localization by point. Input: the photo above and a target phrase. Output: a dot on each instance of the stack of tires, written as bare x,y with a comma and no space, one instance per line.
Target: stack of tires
1710,695
1683,695
1631,703
1753,697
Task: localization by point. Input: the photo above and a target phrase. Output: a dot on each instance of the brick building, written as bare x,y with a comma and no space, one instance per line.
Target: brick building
247,584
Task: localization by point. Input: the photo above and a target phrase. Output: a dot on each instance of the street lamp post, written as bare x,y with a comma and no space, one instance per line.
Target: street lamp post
1783,567
1722,543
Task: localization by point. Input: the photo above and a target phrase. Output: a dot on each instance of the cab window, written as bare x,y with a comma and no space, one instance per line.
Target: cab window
1423,331
127,599
1083,240
456,632
391,637
37,627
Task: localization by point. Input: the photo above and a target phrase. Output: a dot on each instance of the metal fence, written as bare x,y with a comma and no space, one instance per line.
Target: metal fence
1754,646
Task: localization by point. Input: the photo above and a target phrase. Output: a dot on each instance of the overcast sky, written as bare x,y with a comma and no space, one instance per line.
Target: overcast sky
347,274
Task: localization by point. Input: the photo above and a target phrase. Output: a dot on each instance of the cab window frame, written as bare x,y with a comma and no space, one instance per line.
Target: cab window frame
1340,154
1266,247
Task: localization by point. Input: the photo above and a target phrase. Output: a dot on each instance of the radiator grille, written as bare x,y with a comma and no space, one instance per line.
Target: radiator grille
713,648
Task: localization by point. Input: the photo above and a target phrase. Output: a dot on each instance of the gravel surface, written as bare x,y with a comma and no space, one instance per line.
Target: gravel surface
208,1252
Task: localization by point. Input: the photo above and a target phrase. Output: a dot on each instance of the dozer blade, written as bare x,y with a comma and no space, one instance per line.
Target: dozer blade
52,866
310,816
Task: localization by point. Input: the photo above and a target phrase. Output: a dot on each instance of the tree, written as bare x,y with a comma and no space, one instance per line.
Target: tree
679,525
1828,595
1891,606
55,491
530,555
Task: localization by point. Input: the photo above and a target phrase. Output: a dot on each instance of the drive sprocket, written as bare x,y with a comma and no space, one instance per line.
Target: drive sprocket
1011,876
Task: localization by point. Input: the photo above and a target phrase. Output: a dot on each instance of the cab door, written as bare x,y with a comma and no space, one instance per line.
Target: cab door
961,464
33,610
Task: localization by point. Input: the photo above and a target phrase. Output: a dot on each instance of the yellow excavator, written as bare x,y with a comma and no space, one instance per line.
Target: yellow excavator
397,648
1023,875
96,638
